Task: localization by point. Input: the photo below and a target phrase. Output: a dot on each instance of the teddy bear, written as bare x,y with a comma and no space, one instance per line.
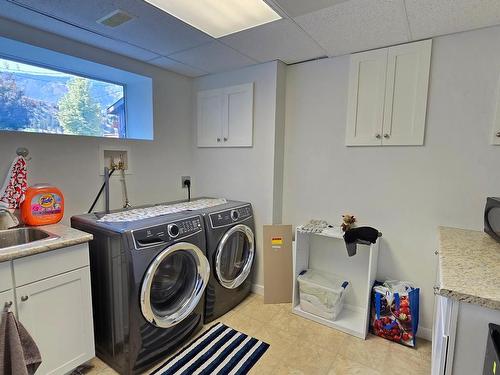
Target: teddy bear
348,222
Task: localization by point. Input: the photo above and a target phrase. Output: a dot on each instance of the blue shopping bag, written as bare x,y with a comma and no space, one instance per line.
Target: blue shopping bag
395,311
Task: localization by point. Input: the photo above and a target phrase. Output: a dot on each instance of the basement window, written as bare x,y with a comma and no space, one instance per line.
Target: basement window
39,94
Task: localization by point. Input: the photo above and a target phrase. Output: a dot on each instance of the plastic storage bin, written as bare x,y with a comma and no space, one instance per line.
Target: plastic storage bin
322,293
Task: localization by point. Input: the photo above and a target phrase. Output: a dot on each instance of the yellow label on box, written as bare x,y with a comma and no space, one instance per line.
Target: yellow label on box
277,241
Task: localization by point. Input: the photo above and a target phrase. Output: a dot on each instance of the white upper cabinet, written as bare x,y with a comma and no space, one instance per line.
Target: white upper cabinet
225,117
388,95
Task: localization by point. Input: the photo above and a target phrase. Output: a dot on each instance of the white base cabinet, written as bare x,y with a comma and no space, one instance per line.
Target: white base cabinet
54,304
459,336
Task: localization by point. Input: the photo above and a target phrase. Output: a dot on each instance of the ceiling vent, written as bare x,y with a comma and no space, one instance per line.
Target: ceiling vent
115,18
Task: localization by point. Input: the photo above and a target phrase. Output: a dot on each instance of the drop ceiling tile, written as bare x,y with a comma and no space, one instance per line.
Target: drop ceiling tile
280,40
430,17
151,29
357,25
213,57
11,12
174,66
296,8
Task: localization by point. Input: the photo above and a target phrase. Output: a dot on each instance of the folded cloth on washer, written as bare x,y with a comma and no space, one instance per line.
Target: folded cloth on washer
19,354
361,235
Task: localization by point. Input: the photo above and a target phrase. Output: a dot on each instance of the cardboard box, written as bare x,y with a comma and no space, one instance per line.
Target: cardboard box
278,258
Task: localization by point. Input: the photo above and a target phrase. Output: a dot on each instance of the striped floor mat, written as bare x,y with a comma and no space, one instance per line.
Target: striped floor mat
221,350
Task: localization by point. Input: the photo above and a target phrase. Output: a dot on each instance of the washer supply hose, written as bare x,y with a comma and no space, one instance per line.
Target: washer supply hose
100,192
125,193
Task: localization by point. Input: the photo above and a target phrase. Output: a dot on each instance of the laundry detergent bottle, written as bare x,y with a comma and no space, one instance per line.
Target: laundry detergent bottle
43,205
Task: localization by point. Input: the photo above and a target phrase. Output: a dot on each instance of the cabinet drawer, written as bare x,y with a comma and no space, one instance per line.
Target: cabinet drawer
51,263
5,276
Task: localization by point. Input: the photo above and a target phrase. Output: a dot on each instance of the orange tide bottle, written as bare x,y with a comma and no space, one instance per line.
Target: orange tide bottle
43,205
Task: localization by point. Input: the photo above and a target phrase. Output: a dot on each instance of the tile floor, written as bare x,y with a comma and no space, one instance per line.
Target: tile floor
299,346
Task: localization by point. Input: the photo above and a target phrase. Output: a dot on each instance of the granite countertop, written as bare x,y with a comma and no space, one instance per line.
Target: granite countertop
66,236
469,267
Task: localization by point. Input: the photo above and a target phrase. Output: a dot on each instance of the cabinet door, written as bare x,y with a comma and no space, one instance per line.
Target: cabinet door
366,98
57,312
443,335
209,117
406,93
5,276
237,121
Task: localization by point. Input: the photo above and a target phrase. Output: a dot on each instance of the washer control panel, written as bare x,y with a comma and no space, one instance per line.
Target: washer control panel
160,234
228,217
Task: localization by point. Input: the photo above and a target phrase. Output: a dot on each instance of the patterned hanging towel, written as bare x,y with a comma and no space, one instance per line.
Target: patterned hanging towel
14,188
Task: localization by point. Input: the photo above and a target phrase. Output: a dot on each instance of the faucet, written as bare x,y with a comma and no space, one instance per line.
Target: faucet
7,219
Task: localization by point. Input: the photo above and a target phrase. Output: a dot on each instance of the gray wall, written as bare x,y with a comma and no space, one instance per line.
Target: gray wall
406,192
72,163
245,174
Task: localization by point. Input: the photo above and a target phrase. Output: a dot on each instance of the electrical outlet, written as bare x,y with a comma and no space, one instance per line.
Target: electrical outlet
184,179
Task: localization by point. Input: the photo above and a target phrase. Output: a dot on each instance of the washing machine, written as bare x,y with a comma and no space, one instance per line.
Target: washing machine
148,282
230,233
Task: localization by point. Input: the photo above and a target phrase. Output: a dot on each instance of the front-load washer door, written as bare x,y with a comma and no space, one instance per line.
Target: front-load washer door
234,256
174,284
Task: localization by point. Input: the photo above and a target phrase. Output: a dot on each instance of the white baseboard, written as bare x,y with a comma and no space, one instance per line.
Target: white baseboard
425,333
258,289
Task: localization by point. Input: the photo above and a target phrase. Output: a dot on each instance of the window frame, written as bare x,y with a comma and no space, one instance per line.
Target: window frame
135,130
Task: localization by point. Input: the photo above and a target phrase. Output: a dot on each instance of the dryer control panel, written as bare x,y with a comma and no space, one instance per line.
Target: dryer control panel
231,216
164,233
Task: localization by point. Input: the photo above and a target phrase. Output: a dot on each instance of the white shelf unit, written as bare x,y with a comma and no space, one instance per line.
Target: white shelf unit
326,251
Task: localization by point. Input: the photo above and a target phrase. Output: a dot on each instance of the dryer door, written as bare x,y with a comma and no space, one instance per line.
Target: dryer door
234,256
174,284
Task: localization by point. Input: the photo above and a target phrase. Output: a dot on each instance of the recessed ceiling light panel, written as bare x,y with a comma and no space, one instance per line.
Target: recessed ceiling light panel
219,17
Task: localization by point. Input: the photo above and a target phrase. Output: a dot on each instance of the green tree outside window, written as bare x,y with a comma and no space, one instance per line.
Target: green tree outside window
78,112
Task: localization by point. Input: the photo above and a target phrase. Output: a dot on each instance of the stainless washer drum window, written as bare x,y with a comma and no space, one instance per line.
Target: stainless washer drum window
234,256
174,284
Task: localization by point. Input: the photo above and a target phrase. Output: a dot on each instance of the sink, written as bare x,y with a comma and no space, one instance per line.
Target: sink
22,236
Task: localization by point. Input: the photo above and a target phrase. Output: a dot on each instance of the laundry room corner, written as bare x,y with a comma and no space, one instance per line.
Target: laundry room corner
253,174
249,187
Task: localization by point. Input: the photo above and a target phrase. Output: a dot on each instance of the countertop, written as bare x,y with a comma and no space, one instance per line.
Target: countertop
67,236
469,267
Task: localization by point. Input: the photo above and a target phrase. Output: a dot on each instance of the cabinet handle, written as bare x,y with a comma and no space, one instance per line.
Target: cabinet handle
24,298
377,136
497,134
387,136
225,139
8,305
218,139
436,252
